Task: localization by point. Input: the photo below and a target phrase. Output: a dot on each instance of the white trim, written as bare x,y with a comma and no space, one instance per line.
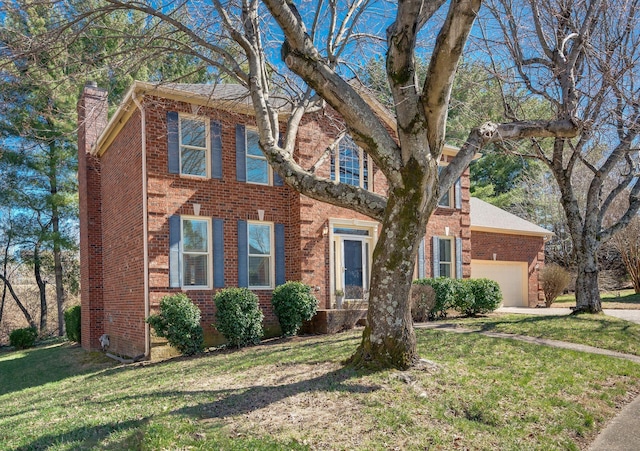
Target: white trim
271,256
209,252
207,143
362,157
452,251
336,249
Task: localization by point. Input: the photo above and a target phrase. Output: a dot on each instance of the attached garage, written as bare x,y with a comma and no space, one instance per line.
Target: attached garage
509,250
511,276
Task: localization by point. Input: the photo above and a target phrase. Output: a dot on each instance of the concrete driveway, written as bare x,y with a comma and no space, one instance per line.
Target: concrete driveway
629,315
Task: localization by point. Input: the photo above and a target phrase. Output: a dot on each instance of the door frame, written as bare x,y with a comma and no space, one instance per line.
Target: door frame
336,281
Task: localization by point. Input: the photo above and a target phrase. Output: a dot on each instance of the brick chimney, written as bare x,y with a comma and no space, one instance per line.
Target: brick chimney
92,120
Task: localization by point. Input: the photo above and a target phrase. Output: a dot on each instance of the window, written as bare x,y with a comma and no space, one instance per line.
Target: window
196,249
350,164
193,146
260,254
257,164
446,199
446,259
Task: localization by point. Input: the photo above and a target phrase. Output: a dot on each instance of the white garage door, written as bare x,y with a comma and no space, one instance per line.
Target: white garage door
511,276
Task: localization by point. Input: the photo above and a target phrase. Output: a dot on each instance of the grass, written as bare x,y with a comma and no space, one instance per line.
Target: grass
623,299
600,331
480,393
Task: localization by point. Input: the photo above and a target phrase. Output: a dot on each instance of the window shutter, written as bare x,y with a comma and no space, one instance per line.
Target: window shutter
173,145
216,149
243,254
241,158
421,274
218,253
280,257
458,194
436,256
277,180
174,251
458,258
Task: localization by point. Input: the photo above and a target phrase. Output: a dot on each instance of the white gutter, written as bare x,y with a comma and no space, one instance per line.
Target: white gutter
145,223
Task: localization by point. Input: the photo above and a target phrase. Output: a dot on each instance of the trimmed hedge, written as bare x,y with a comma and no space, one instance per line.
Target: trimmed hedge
238,316
467,296
72,323
179,322
23,338
293,303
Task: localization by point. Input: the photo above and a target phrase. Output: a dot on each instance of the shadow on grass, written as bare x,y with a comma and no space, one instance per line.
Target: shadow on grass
244,401
42,365
88,437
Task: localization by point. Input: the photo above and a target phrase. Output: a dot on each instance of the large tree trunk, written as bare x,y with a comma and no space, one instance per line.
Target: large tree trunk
389,340
587,290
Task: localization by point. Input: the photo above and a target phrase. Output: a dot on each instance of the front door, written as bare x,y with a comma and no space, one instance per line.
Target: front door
354,269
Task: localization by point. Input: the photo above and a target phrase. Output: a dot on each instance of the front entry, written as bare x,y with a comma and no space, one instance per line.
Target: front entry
355,267
352,244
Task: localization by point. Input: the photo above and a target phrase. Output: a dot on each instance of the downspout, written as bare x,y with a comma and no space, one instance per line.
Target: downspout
145,223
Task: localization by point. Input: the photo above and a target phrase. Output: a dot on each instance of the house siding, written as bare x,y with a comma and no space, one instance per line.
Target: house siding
514,248
123,241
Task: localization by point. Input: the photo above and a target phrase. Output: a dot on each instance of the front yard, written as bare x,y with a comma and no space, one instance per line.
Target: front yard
623,299
479,393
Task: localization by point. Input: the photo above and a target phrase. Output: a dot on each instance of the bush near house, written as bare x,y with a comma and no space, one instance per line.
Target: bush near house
72,323
423,300
23,338
293,303
467,296
179,322
554,280
238,316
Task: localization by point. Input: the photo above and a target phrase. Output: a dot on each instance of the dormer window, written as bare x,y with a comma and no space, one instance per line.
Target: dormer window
350,164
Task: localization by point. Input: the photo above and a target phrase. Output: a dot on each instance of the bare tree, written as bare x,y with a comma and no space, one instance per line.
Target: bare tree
627,243
315,42
581,57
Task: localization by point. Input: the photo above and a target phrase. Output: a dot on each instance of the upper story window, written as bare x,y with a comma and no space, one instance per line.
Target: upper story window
258,169
261,254
195,252
194,149
350,164
446,200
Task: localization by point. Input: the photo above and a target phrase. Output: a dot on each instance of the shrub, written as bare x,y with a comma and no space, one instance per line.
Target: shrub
463,299
554,280
423,300
23,338
179,322
238,316
293,303
444,288
72,323
486,295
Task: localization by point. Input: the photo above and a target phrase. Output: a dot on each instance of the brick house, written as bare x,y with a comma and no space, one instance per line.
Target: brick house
176,196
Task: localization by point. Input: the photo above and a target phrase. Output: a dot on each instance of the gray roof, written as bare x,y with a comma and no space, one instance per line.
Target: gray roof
230,92
487,217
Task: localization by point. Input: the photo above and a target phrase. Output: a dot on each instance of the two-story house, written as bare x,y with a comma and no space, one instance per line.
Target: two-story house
176,196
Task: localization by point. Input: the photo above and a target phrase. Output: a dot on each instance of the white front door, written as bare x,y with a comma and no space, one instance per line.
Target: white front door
352,248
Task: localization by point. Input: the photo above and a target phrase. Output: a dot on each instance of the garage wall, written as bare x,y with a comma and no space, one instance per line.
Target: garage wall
514,248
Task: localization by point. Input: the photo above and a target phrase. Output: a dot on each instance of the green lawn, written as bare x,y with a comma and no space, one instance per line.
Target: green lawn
623,299
600,331
482,393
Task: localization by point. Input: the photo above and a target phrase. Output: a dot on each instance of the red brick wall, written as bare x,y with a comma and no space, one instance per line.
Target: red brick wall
514,248
224,198
92,118
123,238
